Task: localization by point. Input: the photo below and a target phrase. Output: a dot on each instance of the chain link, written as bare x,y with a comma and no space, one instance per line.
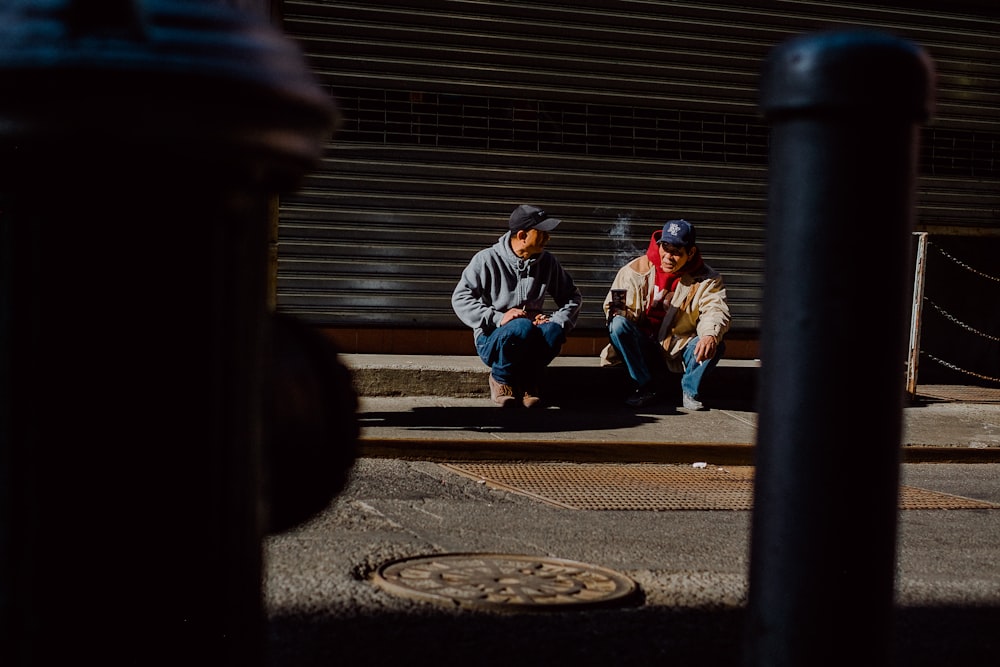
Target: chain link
956,368
963,325
963,264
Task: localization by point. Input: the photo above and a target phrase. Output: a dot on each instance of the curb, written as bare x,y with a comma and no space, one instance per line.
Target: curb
566,377
576,451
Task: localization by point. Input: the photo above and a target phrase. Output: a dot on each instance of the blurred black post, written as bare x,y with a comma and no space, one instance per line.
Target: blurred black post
141,147
845,109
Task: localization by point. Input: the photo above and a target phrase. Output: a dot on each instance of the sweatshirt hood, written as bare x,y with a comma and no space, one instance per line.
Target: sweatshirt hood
503,244
653,251
668,280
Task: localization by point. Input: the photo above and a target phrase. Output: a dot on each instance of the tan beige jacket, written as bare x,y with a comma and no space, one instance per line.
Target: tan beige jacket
698,308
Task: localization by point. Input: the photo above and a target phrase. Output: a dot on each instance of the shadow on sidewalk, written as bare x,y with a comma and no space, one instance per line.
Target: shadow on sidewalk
558,416
490,418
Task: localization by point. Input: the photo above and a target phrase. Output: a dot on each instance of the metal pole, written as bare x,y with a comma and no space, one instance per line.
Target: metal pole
140,151
916,315
844,109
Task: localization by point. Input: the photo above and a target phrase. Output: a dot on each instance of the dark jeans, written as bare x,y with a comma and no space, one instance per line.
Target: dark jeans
518,352
643,357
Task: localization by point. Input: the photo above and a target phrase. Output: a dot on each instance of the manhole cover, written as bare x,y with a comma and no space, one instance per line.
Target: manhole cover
504,581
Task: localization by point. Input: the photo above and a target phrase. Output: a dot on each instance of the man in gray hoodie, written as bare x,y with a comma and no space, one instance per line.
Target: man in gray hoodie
501,297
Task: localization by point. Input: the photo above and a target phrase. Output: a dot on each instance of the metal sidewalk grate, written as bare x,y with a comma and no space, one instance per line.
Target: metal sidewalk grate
959,393
657,487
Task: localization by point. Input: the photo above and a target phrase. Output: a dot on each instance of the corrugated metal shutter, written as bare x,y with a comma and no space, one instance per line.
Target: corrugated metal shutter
614,116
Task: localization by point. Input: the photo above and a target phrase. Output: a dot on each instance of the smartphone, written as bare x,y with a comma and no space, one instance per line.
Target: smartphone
617,303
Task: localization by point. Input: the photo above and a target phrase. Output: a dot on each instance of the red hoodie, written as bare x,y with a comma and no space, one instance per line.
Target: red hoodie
665,283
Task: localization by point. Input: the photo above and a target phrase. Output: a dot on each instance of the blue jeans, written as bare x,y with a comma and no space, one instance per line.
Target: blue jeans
694,372
643,357
518,352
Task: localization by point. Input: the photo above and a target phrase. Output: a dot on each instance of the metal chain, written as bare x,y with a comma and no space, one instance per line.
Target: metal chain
956,368
961,324
956,321
963,264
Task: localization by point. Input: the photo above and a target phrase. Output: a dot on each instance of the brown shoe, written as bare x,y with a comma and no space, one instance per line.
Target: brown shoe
532,397
502,394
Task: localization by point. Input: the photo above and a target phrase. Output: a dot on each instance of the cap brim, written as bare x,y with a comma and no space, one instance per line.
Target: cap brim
547,225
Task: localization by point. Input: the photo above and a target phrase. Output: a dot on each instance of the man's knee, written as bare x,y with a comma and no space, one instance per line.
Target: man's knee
618,325
553,334
520,327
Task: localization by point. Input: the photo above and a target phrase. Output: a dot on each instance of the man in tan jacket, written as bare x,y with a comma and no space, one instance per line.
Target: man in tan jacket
673,316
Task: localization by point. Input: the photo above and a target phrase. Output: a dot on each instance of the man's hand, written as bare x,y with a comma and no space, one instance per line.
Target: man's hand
705,348
513,313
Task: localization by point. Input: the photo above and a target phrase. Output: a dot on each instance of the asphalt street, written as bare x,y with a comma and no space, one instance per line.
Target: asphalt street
325,607
327,591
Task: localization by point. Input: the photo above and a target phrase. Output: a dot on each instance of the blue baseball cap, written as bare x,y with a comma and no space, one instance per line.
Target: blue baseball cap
678,233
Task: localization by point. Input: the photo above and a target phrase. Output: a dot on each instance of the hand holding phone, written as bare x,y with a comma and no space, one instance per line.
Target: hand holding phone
617,303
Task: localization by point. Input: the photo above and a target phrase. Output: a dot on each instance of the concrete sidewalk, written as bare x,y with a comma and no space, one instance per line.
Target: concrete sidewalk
438,408
567,378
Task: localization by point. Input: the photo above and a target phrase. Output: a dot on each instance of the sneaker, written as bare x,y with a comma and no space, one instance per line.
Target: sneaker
502,394
532,397
691,403
641,398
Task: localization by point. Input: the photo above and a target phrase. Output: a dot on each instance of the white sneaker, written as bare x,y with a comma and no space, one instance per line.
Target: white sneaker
692,403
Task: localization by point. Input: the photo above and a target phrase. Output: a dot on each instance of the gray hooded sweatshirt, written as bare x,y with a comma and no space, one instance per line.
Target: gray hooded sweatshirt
497,280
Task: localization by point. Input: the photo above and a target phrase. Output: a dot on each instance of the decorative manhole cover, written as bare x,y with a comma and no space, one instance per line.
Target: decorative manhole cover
504,581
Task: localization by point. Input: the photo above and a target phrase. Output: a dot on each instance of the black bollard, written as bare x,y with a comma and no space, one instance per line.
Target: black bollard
845,109
141,147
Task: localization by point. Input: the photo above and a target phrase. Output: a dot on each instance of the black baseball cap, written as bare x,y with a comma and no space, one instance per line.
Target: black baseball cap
532,217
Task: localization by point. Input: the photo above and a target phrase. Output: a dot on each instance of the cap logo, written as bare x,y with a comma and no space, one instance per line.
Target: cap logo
674,229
